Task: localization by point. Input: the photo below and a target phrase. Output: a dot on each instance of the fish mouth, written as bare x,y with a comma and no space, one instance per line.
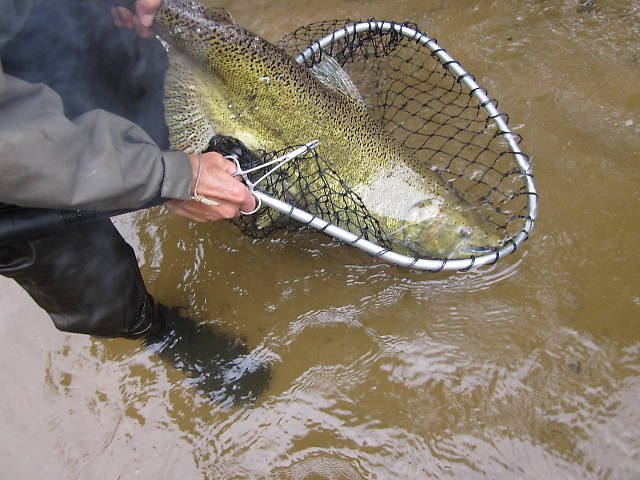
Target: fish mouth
435,229
475,250
476,241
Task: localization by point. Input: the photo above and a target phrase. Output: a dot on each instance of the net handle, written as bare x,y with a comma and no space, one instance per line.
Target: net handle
485,102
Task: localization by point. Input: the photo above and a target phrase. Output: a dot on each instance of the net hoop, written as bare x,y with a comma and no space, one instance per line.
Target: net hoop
462,76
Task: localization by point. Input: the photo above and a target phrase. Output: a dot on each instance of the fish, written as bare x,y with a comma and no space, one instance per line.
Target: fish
224,80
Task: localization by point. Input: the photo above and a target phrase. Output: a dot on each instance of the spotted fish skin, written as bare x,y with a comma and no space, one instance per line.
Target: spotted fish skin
228,81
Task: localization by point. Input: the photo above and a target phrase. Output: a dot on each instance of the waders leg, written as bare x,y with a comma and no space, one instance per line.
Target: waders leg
87,278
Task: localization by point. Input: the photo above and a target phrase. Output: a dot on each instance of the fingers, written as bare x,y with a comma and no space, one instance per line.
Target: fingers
146,11
122,17
217,184
140,21
220,184
181,208
216,179
227,165
249,204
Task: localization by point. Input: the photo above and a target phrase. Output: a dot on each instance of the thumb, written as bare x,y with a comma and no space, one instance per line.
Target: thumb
146,11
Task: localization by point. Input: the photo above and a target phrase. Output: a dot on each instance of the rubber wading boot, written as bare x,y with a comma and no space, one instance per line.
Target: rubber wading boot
150,320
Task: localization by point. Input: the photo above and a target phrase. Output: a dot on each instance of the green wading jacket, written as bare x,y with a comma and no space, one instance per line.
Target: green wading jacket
96,161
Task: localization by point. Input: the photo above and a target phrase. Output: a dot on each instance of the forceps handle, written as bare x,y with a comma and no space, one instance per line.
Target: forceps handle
280,161
234,158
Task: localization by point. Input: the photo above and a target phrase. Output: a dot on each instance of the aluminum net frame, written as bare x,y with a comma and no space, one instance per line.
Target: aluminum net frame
432,106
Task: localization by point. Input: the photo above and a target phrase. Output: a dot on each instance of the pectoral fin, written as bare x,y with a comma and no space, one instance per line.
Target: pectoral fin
332,75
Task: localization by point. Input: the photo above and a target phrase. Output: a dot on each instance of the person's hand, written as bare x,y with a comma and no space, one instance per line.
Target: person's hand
218,185
141,20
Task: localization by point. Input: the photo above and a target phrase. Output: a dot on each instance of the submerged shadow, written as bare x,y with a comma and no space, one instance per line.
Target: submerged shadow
216,363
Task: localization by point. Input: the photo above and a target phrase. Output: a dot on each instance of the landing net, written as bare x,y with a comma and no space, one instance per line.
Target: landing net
435,109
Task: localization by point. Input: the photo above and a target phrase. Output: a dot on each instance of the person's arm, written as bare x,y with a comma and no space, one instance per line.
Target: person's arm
14,14
98,160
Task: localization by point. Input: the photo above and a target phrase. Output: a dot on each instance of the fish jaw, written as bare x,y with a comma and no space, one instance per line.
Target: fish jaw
443,227
423,216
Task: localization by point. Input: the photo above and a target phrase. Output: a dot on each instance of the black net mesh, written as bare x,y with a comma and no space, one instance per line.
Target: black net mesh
427,109
321,191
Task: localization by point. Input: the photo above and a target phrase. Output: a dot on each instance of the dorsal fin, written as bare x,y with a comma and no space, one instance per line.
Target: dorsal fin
332,75
189,128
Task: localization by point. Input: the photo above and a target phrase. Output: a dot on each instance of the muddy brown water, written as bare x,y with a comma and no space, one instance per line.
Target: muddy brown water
526,369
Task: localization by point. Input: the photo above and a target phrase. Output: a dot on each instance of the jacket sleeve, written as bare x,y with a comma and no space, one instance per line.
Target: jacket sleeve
97,161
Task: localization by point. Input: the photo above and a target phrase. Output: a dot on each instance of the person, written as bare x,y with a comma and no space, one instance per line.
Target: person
79,129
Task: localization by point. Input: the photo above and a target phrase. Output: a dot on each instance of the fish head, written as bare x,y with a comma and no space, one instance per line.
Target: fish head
440,227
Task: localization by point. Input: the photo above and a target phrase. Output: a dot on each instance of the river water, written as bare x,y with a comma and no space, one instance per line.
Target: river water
529,368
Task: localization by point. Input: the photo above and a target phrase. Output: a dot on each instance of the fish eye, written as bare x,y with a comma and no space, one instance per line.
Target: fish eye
465,231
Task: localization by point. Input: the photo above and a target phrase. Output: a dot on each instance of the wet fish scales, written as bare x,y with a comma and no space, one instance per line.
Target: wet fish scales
225,80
